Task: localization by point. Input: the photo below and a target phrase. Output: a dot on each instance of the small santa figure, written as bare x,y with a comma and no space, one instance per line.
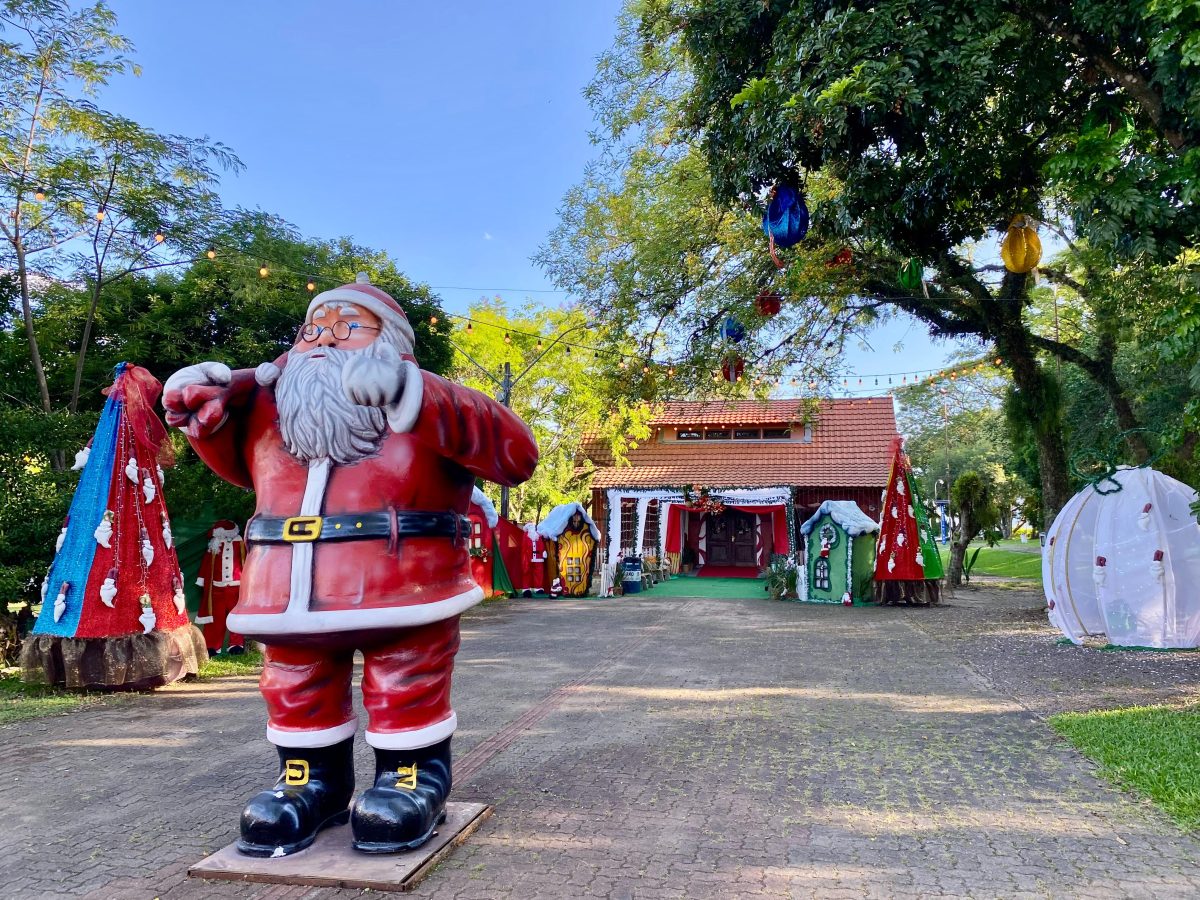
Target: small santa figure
533,562
362,466
220,582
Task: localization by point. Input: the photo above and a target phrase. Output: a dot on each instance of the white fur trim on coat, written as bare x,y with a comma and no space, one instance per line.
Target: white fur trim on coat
413,738
402,415
321,737
303,621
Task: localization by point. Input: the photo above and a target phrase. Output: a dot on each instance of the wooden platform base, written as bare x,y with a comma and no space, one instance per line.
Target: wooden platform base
332,862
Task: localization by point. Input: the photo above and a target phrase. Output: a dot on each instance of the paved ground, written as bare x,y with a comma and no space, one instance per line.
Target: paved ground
644,748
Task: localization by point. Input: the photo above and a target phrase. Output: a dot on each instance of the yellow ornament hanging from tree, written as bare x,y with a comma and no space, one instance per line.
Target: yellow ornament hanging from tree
1021,249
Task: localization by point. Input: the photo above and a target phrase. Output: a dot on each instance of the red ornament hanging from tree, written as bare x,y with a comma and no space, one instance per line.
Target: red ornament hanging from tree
768,303
733,367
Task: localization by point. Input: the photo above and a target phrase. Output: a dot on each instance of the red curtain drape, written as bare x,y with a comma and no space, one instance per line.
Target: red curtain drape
675,527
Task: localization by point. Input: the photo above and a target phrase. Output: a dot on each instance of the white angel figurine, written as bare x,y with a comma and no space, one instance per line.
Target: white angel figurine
108,590
131,470
104,531
81,458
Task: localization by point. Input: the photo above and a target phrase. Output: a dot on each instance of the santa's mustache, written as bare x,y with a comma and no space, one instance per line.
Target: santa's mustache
316,418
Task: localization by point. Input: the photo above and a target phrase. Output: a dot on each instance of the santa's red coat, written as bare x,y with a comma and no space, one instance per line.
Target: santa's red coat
369,584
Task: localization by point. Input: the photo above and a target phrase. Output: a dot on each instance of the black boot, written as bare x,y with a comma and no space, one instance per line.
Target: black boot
407,802
313,791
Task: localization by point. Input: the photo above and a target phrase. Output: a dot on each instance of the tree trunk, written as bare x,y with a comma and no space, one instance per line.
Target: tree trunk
1040,401
958,546
27,313
83,346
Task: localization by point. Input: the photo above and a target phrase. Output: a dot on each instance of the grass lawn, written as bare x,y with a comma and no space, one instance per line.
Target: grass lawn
249,663
29,701
1153,750
997,561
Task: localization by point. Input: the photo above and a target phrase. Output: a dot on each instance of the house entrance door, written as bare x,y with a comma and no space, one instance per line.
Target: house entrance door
731,539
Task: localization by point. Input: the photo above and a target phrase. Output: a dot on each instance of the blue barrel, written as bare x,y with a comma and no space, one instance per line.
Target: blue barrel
631,575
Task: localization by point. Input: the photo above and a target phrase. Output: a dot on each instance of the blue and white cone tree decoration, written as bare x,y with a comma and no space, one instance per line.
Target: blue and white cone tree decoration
111,616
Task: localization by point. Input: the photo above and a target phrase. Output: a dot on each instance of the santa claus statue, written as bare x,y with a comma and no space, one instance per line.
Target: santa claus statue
362,465
219,581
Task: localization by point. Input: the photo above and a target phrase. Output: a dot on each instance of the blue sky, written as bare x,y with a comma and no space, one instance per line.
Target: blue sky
445,134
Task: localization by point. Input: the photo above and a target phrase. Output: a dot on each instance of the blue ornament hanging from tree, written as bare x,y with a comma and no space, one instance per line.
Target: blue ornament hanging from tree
732,330
786,220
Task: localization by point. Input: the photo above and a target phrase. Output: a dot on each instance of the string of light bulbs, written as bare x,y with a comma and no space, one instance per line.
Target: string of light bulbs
266,268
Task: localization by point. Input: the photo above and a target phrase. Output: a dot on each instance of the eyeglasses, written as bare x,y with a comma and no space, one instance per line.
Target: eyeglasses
341,330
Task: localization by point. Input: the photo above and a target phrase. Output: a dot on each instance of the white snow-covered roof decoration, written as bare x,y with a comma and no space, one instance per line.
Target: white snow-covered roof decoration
480,499
557,519
847,514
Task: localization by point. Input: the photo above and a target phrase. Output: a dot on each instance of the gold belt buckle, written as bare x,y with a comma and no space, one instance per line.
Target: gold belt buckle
301,529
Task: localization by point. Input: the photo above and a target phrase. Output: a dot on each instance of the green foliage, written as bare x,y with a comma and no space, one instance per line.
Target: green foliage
563,393
1153,750
36,494
780,577
943,120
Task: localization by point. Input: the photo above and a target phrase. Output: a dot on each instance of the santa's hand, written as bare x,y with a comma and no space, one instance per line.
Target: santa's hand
373,380
195,398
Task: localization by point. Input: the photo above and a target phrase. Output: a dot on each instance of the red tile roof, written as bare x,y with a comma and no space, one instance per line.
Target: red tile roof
733,412
849,448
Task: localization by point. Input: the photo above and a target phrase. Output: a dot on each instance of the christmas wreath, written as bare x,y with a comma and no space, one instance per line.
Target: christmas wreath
702,501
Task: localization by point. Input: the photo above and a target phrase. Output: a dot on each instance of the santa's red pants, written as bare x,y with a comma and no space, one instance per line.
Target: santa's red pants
405,686
223,599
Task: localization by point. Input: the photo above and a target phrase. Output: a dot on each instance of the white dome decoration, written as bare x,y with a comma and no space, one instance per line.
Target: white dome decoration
1126,564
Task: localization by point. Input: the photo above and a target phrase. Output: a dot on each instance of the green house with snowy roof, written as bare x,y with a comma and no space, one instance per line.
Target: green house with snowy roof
839,554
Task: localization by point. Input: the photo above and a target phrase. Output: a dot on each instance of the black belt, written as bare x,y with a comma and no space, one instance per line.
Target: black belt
394,524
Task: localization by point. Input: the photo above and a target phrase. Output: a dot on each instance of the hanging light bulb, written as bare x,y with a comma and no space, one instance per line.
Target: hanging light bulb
100,215
211,254
999,361
645,370
507,338
159,237
568,350
433,320
39,194
596,355
470,328
539,344
310,285
670,373
263,271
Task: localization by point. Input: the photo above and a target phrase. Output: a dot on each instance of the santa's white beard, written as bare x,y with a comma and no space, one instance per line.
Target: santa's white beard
316,418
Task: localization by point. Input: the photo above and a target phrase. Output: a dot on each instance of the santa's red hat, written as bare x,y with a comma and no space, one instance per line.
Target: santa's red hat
363,293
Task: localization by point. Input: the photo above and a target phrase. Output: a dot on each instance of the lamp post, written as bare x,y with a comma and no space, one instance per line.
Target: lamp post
506,382
943,510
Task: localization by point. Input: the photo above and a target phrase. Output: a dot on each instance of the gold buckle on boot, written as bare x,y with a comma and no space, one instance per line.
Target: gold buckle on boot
295,772
407,777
